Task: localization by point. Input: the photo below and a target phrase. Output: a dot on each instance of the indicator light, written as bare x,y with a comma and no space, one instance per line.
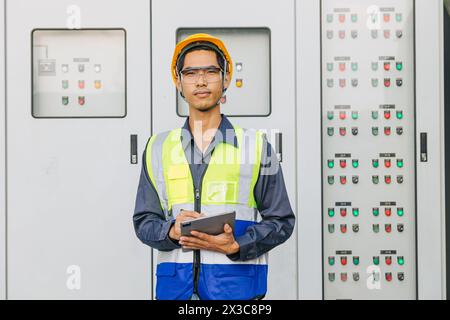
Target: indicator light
65,100
399,114
355,163
239,83
331,261
342,115
331,228
398,17
387,131
387,212
81,84
342,131
388,228
343,228
375,179
331,276
343,163
376,228
344,276
374,83
354,17
386,17
354,115
331,164
389,276
81,100
330,131
342,66
330,115
331,212
387,163
400,260
65,84
375,163
399,66
387,82
330,180
400,212
343,179
342,83
374,66
330,67
388,260
342,34
354,66
343,212
355,212
387,66
387,114
387,179
376,212
97,84
375,131
376,260
342,18
356,260
344,261
387,34
329,18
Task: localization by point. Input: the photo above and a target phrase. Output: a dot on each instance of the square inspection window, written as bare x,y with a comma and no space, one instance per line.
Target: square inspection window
249,93
79,73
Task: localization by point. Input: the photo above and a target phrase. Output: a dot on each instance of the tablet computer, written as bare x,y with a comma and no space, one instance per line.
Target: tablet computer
212,225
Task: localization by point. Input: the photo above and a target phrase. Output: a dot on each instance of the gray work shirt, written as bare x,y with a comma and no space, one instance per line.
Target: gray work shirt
277,218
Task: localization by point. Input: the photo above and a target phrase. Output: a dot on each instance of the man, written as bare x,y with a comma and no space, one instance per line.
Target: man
205,168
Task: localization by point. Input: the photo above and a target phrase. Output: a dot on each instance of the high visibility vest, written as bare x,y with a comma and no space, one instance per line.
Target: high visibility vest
227,185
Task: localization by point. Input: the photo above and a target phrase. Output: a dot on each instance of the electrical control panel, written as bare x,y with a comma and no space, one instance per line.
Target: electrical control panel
79,73
249,93
368,149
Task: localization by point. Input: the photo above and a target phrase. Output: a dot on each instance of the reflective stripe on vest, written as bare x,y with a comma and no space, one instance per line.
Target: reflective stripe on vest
227,185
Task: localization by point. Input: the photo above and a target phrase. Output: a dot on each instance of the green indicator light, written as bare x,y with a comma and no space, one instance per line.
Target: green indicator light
331,212
400,212
401,260
330,115
375,163
355,163
355,261
374,115
354,115
399,114
399,66
355,212
400,163
331,261
330,164
376,260
354,18
376,212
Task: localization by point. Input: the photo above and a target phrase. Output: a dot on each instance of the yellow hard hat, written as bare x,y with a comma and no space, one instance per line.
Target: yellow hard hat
199,37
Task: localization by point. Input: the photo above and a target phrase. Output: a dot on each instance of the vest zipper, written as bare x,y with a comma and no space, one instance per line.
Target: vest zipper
197,207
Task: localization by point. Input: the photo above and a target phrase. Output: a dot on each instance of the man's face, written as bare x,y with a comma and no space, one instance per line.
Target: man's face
202,94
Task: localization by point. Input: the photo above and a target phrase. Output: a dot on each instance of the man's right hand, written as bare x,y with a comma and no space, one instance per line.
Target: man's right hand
175,230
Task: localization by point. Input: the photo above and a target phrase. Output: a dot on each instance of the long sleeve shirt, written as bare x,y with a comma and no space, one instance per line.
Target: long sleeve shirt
277,218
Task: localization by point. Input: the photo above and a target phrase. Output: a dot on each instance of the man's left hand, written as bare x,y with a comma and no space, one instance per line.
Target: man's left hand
223,243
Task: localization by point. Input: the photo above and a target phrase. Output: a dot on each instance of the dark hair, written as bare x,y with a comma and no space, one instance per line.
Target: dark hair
180,62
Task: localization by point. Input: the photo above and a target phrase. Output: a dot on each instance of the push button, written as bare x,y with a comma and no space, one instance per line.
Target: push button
355,276
388,227
389,276
331,228
375,179
330,180
355,228
343,179
387,131
387,179
343,228
331,276
342,131
354,131
376,228
330,131
355,179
